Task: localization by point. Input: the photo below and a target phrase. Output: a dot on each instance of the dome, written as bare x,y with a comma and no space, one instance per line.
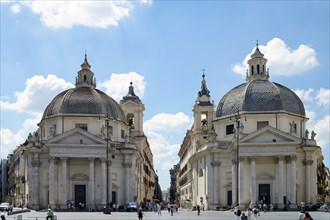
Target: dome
258,96
86,101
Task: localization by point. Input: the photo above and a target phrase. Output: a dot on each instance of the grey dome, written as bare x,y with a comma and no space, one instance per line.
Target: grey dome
84,100
260,96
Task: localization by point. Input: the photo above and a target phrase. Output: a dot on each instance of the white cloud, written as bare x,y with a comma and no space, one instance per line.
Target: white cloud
16,8
39,91
305,95
323,97
118,85
165,153
168,122
321,128
282,60
92,13
10,140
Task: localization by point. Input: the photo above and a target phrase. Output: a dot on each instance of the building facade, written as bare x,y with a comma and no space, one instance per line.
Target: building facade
253,147
88,150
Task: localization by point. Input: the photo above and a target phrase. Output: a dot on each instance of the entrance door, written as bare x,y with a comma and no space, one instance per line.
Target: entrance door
80,195
264,193
114,197
229,198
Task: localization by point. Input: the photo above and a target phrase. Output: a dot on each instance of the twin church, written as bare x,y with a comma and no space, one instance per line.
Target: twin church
253,146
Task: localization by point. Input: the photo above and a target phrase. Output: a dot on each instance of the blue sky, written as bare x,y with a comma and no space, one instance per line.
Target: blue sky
162,46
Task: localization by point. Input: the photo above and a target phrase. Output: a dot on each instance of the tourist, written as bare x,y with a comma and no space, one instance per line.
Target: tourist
50,215
140,214
308,216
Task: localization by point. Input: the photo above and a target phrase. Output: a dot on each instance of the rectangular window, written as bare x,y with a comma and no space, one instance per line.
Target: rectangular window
261,124
82,126
122,134
110,130
230,129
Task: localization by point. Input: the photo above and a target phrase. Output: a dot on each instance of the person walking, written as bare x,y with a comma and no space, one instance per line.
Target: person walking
198,210
237,213
140,214
255,212
308,216
3,217
248,213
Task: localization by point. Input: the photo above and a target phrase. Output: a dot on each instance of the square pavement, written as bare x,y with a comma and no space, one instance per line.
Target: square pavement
182,214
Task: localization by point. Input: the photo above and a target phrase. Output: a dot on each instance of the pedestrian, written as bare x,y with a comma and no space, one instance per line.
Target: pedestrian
140,214
301,216
248,213
308,216
159,209
3,217
50,215
255,212
244,217
198,210
237,213
172,209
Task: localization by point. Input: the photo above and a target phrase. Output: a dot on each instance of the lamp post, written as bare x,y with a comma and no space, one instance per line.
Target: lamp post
107,210
237,121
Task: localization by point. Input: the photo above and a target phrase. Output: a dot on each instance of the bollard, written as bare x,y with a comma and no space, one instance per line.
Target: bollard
19,217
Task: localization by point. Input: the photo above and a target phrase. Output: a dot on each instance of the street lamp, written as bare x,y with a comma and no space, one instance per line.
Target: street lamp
239,125
107,210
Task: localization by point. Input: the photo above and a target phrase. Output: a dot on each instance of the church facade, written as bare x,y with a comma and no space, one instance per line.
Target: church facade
252,147
88,150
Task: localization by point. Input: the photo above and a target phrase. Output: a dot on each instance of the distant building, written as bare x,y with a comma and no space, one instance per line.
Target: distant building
3,179
88,150
253,147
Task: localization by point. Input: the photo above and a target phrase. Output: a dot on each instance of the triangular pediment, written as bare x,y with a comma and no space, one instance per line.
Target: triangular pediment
269,134
76,136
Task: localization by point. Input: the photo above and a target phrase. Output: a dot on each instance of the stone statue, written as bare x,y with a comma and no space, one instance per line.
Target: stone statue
292,127
306,134
52,130
102,131
313,134
30,137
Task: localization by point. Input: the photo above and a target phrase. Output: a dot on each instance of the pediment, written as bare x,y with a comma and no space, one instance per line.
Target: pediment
269,134
76,136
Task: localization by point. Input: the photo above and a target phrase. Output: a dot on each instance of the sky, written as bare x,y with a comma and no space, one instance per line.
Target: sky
162,47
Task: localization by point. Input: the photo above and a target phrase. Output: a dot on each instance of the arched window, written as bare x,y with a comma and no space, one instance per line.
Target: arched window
252,72
200,172
258,69
85,78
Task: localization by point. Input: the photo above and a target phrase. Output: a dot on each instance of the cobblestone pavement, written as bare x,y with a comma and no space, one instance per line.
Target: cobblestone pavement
184,214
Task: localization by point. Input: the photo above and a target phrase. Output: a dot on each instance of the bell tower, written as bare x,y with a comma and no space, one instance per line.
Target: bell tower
203,110
133,109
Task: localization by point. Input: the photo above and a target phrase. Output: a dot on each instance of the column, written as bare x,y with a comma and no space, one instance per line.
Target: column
308,164
280,181
216,165
209,183
91,183
195,182
64,183
234,182
103,181
110,180
51,182
35,187
253,184
293,190
241,181
127,166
